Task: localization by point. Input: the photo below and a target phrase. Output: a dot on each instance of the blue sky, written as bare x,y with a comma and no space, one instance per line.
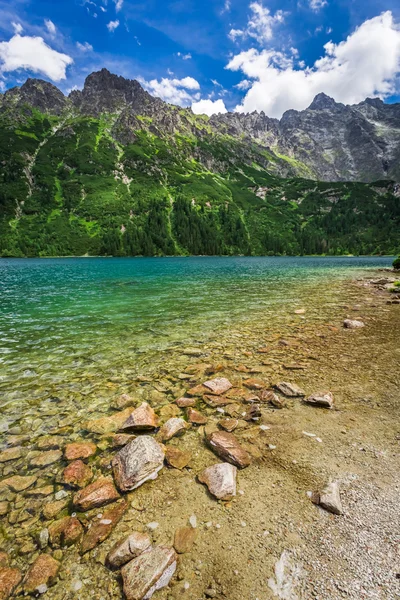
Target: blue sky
215,55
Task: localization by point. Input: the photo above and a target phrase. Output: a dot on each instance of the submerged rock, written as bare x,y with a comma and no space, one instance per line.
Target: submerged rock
108,424
127,549
9,579
96,494
65,532
100,529
320,399
228,424
147,573
173,427
184,539
329,498
122,439
18,483
218,386
185,402
226,446
141,419
77,474
52,509
45,459
274,399
352,324
289,389
43,572
254,384
195,417
137,462
10,454
79,450
177,458
220,480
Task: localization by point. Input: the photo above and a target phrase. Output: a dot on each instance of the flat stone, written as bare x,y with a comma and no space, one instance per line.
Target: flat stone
272,398
226,446
289,389
18,483
122,439
96,494
4,560
4,508
65,532
254,384
218,386
52,509
173,427
168,411
217,401
185,402
137,462
179,459
44,491
197,390
150,571
53,442
108,424
321,399
101,528
10,454
184,539
128,549
352,324
123,401
43,572
79,450
142,418
17,440
45,459
220,480
228,424
77,474
9,579
329,498
253,413
195,417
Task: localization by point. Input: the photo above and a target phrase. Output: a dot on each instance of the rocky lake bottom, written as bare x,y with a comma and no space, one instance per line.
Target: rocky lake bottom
99,447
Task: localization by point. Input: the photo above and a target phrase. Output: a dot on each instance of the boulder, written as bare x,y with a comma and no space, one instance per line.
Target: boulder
142,418
218,386
147,573
65,532
329,498
137,462
42,572
173,427
100,529
96,494
220,480
290,389
226,446
79,450
9,579
176,458
352,324
77,474
320,399
128,549
184,539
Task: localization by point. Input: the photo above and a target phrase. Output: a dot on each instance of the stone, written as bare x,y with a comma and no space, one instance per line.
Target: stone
122,439
79,450
109,424
218,386
42,572
96,494
38,492
101,528
253,413
137,462
300,311
254,384
53,442
128,549
273,399
352,324
289,389
321,399
18,483
173,427
220,480
4,508
217,401
10,454
65,532
184,539
123,401
3,559
45,459
179,459
228,424
195,417
226,446
77,474
150,571
52,509
9,579
197,390
329,498
142,418
185,402
168,411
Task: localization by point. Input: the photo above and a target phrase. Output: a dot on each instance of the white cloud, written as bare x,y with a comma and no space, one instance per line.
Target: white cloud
260,25
85,47
103,9
245,84
317,4
33,54
118,5
365,64
209,107
187,56
17,27
51,28
227,6
112,25
174,91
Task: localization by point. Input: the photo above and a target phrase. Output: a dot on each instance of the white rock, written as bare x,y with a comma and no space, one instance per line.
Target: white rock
220,480
137,462
352,324
193,521
320,399
174,426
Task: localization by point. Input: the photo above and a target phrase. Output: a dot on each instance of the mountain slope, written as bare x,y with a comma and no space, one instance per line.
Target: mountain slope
112,170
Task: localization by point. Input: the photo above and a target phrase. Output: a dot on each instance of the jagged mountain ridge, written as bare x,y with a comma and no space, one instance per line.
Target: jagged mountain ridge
328,141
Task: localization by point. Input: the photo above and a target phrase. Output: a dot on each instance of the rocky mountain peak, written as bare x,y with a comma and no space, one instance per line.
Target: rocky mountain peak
321,102
39,94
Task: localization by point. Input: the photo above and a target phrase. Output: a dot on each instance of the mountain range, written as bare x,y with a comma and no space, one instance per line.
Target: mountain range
112,170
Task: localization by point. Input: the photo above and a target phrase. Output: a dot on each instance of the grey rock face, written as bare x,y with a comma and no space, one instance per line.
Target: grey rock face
137,462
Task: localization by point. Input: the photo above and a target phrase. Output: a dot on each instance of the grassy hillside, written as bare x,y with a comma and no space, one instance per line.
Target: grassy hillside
67,187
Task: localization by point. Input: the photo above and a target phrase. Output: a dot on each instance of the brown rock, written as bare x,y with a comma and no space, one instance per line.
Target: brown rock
254,384
3,559
289,389
226,446
9,579
38,492
101,528
45,459
18,483
168,411
79,450
141,419
122,439
228,424
179,459
123,401
253,413
185,402
198,390
195,417
43,572
329,498
218,386
217,401
10,454
173,427
65,532
77,474
4,507
137,462
96,494
52,509
127,549
320,399
184,539
108,424
148,572
220,480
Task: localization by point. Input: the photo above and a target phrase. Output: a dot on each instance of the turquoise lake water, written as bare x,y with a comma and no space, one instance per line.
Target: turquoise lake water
65,319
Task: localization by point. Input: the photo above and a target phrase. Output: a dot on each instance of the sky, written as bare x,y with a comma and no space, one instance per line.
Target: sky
212,55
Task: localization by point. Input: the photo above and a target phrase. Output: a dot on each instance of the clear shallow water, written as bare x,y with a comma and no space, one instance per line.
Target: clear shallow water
72,320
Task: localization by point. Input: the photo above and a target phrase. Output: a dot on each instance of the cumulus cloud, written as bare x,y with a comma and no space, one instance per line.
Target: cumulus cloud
209,107
260,24
51,28
85,47
367,63
174,91
316,5
17,27
33,54
112,25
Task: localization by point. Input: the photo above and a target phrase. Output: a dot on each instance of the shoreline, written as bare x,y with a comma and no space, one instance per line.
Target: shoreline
207,256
